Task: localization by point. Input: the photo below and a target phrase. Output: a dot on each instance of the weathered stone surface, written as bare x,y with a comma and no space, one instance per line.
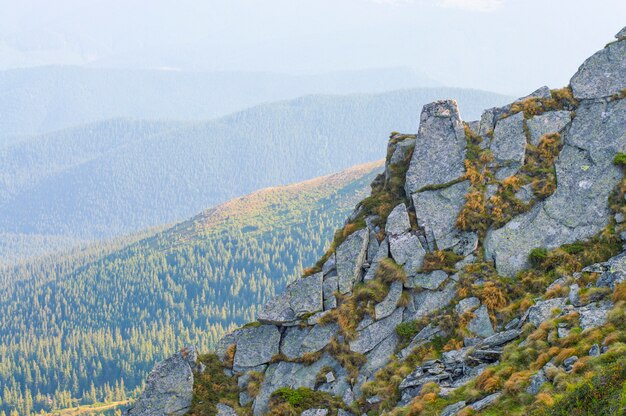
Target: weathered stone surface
579,208
378,357
302,296
402,148
603,74
594,315
613,272
256,345
398,221
381,253
453,409
550,122
485,402
169,386
467,304
468,243
407,251
224,410
390,303
226,341
500,338
350,256
543,310
315,412
329,265
291,343
372,246
481,324
525,193
538,380
509,144
429,301
319,337
430,281
374,334
293,375
439,156
329,288
437,212
425,335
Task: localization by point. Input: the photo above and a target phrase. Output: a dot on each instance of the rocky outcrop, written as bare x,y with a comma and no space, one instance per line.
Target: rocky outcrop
169,386
406,277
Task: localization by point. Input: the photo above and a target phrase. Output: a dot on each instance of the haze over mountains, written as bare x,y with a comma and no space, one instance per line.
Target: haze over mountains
114,177
42,99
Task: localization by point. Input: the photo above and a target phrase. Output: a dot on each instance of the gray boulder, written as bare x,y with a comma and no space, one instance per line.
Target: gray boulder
485,402
226,341
438,210
291,342
398,221
509,144
428,301
169,386
546,123
329,288
453,409
603,74
301,297
315,412
613,272
375,333
390,303
381,253
440,155
500,338
256,345
480,324
467,304
224,410
319,337
380,356
407,251
594,315
350,256
430,281
425,335
542,311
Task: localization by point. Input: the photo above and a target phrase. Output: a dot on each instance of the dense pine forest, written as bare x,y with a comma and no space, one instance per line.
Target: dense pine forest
88,327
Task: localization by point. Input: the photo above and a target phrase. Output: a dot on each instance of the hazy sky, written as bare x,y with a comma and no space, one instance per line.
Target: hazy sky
510,46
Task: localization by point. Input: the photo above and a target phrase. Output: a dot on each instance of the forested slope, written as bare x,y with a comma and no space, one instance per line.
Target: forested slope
91,326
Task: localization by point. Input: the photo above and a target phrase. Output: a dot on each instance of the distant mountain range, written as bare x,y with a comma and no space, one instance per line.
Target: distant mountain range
42,99
115,177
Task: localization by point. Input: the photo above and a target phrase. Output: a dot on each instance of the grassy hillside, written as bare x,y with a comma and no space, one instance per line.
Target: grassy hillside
116,177
83,330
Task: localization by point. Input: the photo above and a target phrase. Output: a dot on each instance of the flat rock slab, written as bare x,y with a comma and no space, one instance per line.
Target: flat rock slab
380,356
439,153
398,221
390,303
349,257
542,311
480,324
509,143
301,297
407,251
319,337
592,316
467,304
438,210
546,123
430,281
603,74
256,346
430,301
169,387
381,253
329,288
375,333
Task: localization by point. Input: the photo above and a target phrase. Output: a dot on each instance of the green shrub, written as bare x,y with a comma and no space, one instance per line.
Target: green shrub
620,159
407,330
294,401
537,256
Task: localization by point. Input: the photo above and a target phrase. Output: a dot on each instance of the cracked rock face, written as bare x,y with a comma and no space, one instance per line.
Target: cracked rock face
509,145
439,153
603,74
579,208
256,346
349,258
169,386
301,297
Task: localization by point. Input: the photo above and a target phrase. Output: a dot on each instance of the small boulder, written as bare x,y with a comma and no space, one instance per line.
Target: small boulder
350,256
481,323
398,221
256,345
390,303
375,333
301,297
